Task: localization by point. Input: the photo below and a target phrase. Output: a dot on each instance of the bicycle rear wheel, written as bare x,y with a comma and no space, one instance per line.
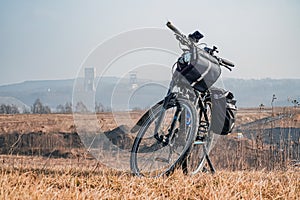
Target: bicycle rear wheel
195,161
153,158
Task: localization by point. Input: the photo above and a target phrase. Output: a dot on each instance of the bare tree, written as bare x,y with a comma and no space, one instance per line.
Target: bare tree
26,110
60,109
99,108
39,108
9,109
81,108
68,107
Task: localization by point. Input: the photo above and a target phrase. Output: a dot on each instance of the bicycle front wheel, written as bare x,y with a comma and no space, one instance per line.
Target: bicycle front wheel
153,158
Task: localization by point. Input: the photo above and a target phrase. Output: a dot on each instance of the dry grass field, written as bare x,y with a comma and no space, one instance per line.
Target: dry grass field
81,177
39,178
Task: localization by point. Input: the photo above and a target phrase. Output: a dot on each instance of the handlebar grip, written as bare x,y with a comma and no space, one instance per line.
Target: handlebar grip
227,62
173,28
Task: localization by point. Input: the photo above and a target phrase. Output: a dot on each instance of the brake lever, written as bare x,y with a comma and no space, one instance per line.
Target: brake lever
221,63
214,49
227,67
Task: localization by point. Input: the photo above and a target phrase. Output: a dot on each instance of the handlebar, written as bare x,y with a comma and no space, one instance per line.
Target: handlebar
188,42
180,36
173,28
227,62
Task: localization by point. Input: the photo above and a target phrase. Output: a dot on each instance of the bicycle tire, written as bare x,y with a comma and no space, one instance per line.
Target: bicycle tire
152,159
195,161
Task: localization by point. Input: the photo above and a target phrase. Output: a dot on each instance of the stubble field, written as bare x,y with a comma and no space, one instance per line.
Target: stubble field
81,177
40,178
58,179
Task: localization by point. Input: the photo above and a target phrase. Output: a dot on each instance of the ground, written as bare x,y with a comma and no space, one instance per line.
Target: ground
77,175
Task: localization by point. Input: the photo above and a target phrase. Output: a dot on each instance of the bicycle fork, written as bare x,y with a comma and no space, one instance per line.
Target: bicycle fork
164,139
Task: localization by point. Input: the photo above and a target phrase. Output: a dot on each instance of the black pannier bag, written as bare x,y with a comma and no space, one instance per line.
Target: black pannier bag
223,111
202,70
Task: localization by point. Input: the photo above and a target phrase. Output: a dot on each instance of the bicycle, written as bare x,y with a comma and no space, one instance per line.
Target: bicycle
177,131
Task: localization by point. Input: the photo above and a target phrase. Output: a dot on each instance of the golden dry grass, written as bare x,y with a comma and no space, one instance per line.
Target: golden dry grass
24,177
77,181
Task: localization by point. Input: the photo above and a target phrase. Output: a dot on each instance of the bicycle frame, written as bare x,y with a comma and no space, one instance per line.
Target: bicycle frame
174,130
171,96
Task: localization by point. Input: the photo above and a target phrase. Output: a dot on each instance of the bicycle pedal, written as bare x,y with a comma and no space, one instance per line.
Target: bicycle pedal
199,142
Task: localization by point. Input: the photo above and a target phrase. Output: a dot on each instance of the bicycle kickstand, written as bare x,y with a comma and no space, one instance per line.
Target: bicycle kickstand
212,169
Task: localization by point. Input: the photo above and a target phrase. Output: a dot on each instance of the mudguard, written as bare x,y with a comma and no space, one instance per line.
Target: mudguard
141,121
170,100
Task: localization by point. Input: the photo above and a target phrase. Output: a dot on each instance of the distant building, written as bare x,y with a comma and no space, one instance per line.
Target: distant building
133,79
89,79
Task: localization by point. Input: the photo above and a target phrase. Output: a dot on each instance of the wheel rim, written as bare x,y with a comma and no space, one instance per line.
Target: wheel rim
151,158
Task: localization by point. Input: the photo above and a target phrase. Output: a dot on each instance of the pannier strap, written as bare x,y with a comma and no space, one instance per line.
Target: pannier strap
202,75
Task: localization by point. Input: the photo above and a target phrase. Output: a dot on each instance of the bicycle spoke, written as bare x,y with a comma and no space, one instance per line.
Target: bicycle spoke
153,156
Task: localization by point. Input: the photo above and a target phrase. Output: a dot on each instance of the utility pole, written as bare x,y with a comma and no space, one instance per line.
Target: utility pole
272,104
271,158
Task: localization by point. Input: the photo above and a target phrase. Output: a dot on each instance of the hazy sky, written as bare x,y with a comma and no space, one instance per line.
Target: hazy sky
50,39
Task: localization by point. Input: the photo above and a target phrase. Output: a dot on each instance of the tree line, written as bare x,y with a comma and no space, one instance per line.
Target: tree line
9,109
39,108
36,108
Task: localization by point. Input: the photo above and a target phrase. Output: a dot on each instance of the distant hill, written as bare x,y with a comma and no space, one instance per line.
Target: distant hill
51,92
252,92
248,92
